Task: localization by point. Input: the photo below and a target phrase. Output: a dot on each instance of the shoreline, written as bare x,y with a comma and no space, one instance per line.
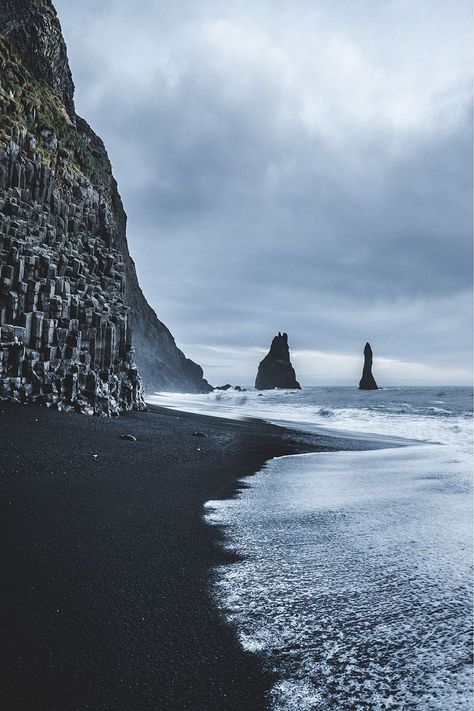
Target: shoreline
106,560
344,551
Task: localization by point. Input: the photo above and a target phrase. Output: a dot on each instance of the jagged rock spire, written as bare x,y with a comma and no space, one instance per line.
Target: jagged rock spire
275,370
367,382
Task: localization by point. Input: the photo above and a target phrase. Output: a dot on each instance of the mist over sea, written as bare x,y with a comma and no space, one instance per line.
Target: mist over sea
355,578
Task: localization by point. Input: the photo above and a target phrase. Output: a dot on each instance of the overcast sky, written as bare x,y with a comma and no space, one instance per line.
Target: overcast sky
292,165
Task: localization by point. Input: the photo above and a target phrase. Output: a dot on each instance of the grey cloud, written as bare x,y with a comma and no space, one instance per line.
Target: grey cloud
253,206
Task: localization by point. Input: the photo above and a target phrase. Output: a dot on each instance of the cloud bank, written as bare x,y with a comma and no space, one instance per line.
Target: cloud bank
299,166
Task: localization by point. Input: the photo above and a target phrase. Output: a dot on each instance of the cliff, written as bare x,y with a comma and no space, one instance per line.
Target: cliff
63,246
275,370
367,382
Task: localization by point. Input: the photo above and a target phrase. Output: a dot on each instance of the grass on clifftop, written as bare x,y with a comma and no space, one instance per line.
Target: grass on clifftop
31,105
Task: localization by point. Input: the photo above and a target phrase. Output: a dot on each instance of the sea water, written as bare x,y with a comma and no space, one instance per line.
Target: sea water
354,582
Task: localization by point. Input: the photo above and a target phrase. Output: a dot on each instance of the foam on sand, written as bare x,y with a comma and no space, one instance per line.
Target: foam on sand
356,578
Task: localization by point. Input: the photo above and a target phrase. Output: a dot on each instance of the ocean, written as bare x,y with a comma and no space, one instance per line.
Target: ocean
354,580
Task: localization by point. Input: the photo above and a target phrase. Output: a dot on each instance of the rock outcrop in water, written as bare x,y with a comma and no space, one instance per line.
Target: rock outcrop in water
367,382
68,286
275,370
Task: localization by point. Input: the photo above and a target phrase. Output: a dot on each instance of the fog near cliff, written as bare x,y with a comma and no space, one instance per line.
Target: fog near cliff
300,166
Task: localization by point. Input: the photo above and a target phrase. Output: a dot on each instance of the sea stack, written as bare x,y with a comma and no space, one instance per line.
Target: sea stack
275,370
367,382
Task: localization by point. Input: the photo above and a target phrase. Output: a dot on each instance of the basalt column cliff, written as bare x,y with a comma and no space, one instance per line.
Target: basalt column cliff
68,286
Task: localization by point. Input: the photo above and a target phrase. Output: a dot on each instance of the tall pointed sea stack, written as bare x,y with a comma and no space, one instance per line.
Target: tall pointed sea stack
367,382
68,286
275,370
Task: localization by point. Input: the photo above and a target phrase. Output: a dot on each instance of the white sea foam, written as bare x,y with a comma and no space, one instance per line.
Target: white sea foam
428,415
355,577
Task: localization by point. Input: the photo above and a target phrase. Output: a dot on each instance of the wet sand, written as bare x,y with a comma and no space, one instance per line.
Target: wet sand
106,560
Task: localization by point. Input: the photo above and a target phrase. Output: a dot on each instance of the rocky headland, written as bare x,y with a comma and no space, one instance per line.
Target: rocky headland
275,370
68,287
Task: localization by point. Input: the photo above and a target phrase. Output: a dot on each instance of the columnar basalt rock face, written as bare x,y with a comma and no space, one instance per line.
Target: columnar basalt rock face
367,382
62,293
275,370
68,286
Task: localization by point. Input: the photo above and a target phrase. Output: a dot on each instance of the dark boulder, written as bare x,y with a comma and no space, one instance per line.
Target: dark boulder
367,382
275,370
238,388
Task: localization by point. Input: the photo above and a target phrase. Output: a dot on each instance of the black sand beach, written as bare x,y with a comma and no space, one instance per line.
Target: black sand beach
106,561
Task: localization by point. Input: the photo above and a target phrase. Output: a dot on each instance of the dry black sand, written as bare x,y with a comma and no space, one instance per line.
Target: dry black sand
105,561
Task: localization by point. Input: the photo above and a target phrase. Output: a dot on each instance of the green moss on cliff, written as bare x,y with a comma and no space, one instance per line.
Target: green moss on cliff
28,104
